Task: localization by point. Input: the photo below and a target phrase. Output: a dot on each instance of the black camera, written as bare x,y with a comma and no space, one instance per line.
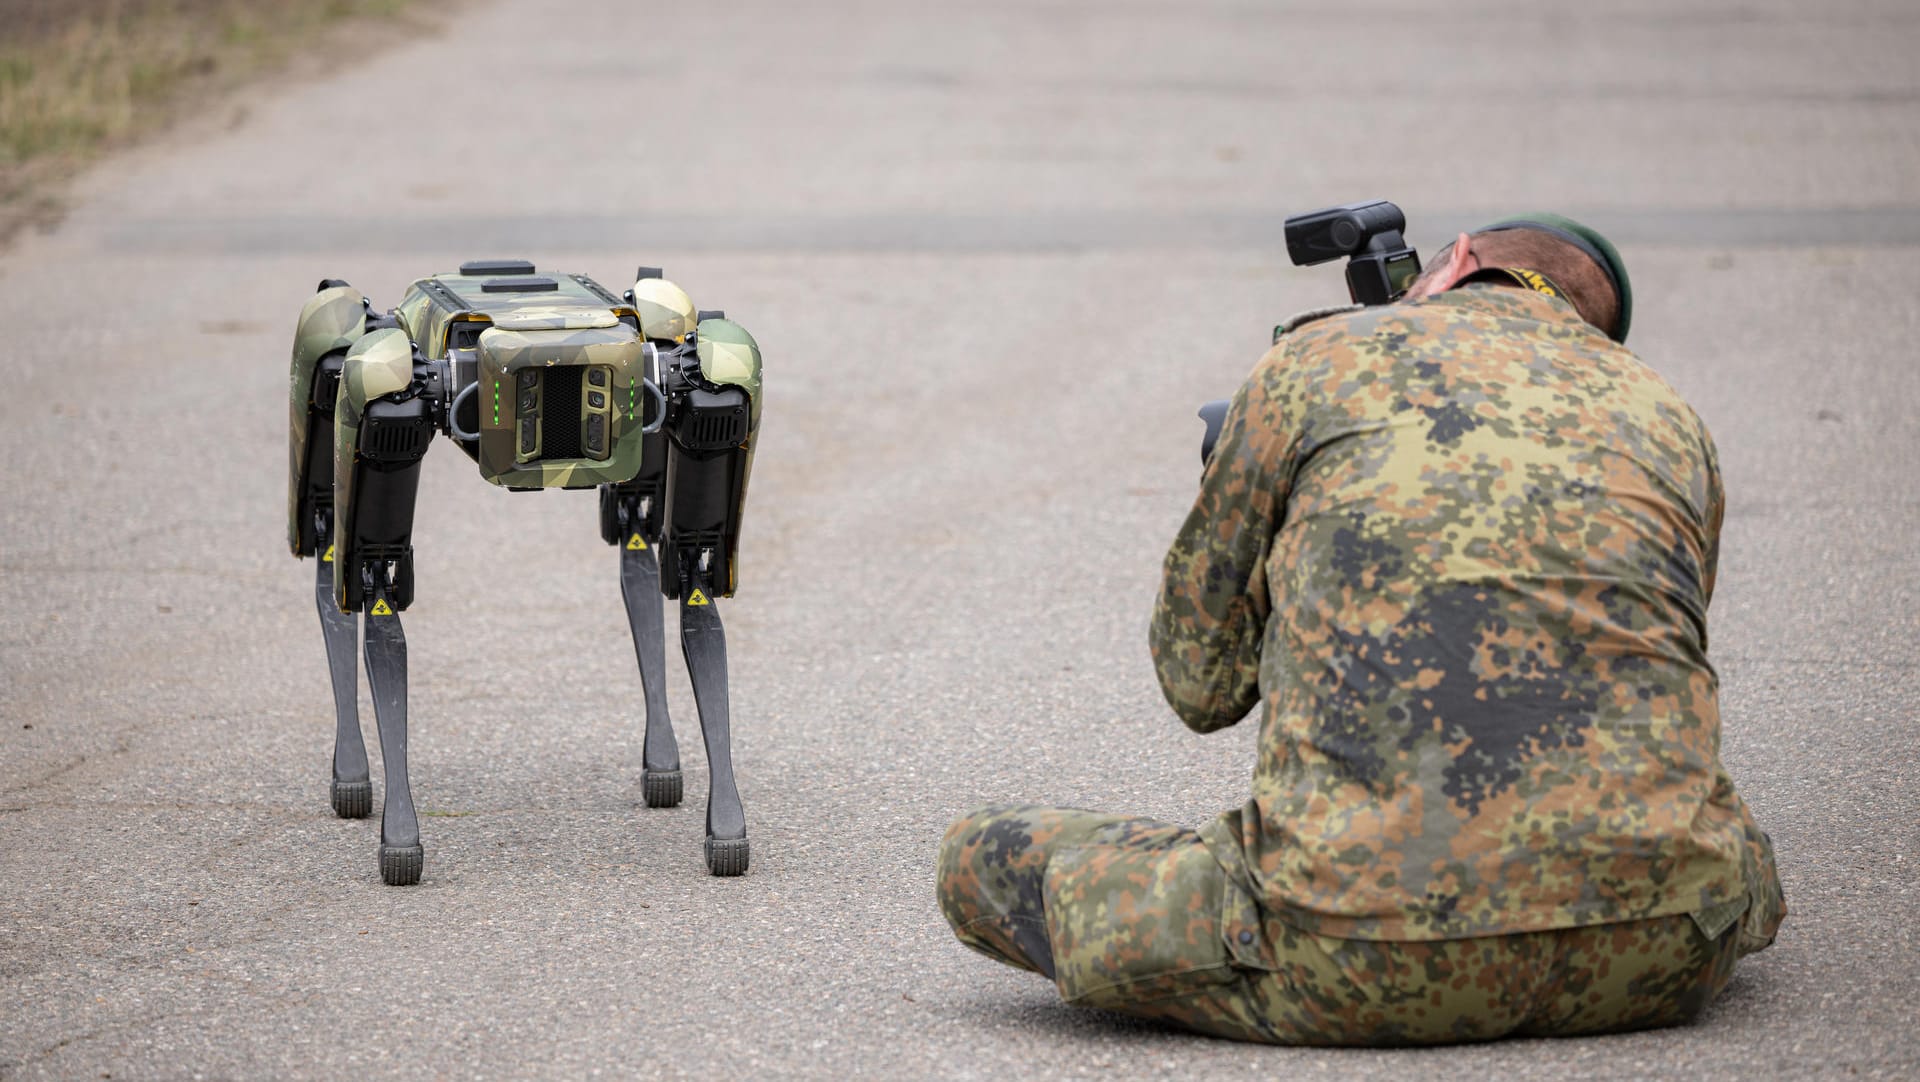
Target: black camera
1380,267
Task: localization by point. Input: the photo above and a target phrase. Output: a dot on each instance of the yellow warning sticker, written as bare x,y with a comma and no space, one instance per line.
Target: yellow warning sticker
635,544
697,598
381,608
328,558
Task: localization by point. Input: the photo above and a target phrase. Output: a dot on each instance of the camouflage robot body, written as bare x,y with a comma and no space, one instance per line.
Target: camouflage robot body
557,368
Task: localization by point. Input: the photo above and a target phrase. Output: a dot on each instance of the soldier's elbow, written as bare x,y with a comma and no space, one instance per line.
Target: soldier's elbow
1204,710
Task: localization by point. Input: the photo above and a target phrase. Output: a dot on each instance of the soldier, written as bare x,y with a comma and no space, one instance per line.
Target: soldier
1459,549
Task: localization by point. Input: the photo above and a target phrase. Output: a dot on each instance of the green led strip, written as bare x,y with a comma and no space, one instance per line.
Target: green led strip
629,400
496,403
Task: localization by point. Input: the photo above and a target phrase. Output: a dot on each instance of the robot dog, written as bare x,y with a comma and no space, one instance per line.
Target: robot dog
545,381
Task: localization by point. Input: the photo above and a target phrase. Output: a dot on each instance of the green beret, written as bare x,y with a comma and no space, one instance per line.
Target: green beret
1588,240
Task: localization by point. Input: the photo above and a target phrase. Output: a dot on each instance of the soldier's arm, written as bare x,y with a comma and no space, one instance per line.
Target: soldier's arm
1214,602
1716,513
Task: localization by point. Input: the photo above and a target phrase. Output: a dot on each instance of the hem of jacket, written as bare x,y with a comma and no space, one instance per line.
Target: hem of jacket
1220,838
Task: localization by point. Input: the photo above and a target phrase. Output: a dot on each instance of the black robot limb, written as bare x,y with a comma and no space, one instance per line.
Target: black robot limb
677,522
710,438
401,855
384,423
630,518
703,642
351,790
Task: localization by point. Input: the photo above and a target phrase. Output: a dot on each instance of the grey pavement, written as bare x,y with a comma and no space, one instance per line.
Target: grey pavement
995,254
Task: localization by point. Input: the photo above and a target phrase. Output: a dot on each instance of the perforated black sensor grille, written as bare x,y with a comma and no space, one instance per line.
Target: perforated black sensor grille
560,411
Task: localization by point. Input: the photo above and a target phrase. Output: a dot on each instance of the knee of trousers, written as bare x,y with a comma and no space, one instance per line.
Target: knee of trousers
992,862
1150,920
981,870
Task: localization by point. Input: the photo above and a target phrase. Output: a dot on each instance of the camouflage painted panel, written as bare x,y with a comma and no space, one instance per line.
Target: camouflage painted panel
730,356
379,363
423,320
331,319
666,312
567,292
1483,533
555,318
580,431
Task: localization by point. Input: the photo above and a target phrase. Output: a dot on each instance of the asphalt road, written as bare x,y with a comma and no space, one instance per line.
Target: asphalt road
995,253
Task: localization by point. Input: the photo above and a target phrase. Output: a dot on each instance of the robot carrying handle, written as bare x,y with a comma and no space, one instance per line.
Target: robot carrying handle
659,407
453,413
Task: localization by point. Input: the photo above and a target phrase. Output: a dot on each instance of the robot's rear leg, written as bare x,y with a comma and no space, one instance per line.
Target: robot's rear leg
352,786
630,519
703,641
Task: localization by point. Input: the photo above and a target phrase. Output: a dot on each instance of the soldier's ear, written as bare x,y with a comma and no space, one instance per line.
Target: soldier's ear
1460,262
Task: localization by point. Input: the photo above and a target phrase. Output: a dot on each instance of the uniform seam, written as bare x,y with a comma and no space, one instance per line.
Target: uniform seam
991,918
1162,974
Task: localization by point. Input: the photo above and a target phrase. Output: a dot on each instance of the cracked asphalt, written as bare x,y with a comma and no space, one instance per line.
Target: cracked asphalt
995,253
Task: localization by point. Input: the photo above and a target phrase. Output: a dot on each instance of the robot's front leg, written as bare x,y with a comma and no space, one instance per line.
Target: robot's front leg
401,855
382,426
703,642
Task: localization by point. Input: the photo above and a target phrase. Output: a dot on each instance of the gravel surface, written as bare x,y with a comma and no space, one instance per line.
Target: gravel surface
995,254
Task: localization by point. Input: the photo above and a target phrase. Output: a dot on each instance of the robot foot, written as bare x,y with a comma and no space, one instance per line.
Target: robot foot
662,788
400,865
726,856
352,799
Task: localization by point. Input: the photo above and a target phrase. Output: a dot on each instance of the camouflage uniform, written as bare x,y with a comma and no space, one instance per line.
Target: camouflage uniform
1460,551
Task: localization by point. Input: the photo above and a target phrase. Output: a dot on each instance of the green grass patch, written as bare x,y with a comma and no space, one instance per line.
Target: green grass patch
82,76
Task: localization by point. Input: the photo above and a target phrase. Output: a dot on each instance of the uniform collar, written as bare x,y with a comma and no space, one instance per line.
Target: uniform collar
1511,302
1499,300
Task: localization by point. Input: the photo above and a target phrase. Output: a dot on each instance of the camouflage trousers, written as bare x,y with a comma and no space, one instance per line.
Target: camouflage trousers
1136,916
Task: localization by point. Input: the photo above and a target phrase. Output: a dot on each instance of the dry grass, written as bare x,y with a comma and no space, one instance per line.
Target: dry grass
81,76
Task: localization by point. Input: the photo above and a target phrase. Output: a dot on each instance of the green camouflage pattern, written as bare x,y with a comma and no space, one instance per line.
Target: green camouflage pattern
1137,916
426,321
577,324
379,363
332,319
544,338
556,318
433,304
1460,552
729,356
666,312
